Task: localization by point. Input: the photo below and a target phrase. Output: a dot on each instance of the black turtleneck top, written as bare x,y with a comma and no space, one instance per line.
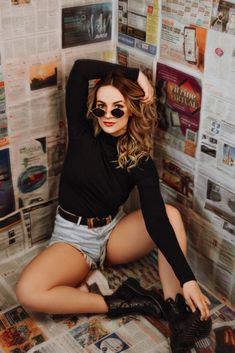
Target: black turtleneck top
92,186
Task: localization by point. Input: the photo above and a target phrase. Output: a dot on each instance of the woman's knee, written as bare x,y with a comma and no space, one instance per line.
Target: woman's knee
26,294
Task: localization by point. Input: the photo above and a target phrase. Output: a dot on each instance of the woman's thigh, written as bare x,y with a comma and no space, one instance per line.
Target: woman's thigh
59,265
129,240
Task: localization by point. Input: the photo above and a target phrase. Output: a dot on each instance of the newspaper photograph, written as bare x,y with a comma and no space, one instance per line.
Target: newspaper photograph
183,44
178,108
214,195
18,331
138,24
188,12
176,174
7,202
220,201
30,172
86,24
43,75
223,16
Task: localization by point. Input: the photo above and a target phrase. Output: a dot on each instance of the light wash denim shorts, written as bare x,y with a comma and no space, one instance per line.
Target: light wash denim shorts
91,242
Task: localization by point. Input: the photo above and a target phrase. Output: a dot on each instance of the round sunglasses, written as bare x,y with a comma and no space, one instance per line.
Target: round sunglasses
100,113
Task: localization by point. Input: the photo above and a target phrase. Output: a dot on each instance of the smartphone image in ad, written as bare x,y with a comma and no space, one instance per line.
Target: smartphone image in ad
190,45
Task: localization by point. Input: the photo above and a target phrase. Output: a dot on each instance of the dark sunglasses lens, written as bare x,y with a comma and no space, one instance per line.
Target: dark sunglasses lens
117,113
98,112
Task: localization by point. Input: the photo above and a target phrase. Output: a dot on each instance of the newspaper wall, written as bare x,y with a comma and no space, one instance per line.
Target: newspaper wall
187,48
200,180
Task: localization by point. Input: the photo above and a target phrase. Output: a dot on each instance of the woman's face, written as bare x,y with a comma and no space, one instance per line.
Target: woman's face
109,98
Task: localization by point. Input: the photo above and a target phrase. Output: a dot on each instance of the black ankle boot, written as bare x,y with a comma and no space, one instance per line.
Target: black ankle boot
185,325
131,298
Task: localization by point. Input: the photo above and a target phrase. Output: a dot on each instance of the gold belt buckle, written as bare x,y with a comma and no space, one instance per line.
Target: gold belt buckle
90,222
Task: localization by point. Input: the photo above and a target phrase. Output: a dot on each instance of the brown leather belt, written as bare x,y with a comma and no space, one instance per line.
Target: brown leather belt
90,222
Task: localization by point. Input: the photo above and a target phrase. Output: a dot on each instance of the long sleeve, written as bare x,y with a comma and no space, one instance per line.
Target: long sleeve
146,178
77,90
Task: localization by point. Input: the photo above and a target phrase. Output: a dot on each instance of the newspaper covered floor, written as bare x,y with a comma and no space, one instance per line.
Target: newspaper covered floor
23,331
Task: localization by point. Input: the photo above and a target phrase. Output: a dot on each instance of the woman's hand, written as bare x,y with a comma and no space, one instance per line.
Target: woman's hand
146,87
196,299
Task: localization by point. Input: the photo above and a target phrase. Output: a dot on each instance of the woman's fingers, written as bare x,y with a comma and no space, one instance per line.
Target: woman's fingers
202,306
146,87
148,97
196,299
191,304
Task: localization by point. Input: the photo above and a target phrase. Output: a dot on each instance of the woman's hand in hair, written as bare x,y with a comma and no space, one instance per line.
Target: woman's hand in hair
146,87
196,299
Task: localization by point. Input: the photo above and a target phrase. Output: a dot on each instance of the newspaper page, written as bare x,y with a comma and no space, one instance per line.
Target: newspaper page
220,281
220,59
32,79
223,16
86,24
39,221
138,24
29,27
178,108
183,32
214,195
215,192
12,235
188,12
213,242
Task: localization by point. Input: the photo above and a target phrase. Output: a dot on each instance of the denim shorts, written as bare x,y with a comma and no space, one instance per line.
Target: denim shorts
90,241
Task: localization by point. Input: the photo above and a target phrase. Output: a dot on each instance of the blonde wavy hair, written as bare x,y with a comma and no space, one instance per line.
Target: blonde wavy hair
136,143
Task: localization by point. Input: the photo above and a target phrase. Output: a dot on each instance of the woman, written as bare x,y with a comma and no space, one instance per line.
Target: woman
108,154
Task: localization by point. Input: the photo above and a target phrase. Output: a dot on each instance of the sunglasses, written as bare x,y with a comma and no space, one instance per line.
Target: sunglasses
100,113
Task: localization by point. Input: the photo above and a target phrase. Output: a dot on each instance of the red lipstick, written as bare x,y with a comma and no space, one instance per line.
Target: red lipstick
107,123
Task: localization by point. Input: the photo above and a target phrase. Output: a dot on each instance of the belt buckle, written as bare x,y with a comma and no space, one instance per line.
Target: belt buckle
108,219
93,222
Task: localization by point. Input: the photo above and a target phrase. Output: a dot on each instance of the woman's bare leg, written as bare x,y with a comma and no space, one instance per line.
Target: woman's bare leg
130,241
48,283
